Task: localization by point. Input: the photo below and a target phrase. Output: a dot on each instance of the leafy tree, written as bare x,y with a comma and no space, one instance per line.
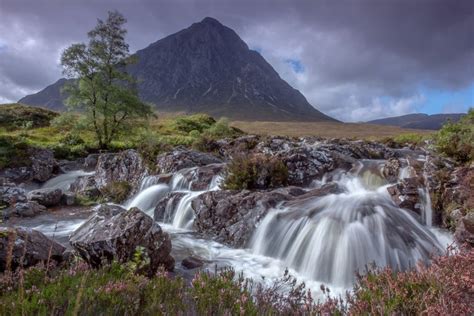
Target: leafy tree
102,87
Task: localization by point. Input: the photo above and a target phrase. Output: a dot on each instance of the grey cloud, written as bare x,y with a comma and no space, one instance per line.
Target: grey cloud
355,53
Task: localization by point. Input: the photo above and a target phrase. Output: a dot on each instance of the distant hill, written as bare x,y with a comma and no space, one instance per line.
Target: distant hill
419,120
207,68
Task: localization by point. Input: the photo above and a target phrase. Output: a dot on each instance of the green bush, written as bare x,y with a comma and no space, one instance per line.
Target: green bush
13,152
409,139
117,192
255,172
198,122
456,140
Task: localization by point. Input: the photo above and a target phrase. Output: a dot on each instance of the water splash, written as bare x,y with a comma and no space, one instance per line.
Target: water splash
64,181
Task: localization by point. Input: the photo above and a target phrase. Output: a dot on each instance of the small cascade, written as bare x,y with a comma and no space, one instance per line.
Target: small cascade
329,238
147,199
64,181
147,182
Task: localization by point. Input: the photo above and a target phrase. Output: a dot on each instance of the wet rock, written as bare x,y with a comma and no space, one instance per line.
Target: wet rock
228,148
406,195
117,235
200,178
11,194
43,164
26,209
16,175
230,216
192,262
305,164
182,158
326,189
68,199
46,197
26,248
391,169
85,186
125,166
90,162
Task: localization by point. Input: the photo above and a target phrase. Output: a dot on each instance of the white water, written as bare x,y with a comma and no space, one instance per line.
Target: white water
330,238
64,181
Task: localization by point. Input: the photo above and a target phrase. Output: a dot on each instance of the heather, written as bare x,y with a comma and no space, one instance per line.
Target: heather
444,288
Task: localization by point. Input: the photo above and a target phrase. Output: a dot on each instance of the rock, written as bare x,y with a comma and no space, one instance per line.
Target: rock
329,188
11,194
192,262
165,208
27,209
68,199
305,164
200,178
465,229
125,166
46,197
391,169
43,164
406,195
30,245
90,162
113,234
183,158
228,148
85,186
230,216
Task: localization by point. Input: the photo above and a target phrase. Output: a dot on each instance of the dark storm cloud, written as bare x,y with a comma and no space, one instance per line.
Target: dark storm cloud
361,59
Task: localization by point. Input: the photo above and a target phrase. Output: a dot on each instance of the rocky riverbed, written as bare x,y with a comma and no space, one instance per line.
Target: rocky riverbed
345,204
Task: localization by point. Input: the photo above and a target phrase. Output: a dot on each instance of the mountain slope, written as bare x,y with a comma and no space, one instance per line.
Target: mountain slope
419,120
209,68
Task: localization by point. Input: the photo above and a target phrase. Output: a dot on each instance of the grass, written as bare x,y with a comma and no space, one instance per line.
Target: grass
325,129
14,115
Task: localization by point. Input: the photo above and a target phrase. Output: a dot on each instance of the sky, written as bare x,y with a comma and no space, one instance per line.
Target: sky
354,60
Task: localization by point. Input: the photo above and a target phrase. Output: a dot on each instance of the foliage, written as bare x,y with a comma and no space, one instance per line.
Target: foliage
444,288
13,152
117,192
456,140
17,115
103,88
196,122
255,172
409,139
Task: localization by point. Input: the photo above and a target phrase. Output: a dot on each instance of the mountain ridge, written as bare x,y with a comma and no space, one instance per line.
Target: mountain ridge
418,120
208,68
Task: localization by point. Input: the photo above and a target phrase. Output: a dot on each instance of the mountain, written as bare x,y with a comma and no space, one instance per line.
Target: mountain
208,68
50,97
419,120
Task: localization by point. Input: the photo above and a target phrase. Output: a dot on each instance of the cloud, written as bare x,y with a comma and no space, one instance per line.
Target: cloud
360,58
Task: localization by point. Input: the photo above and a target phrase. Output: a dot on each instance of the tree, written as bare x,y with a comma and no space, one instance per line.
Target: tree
102,88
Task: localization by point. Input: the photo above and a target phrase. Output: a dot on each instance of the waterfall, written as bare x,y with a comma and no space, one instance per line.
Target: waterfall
147,199
330,238
64,181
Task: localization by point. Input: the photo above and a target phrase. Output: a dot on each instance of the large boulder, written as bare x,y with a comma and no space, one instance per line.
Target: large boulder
25,248
85,186
125,166
231,217
26,209
43,164
46,197
117,234
183,158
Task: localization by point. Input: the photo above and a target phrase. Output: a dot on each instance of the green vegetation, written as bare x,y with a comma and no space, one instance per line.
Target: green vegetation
103,89
255,172
13,152
117,192
456,140
18,116
444,288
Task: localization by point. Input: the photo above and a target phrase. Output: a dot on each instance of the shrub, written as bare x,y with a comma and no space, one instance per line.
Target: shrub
13,152
409,139
456,140
198,122
14,116
117,191
255,172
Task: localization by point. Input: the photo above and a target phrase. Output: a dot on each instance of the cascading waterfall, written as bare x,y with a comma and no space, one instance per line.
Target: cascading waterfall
64,181
330,238
151,193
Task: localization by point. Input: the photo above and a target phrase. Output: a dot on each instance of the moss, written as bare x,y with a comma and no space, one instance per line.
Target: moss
255,172
117,191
